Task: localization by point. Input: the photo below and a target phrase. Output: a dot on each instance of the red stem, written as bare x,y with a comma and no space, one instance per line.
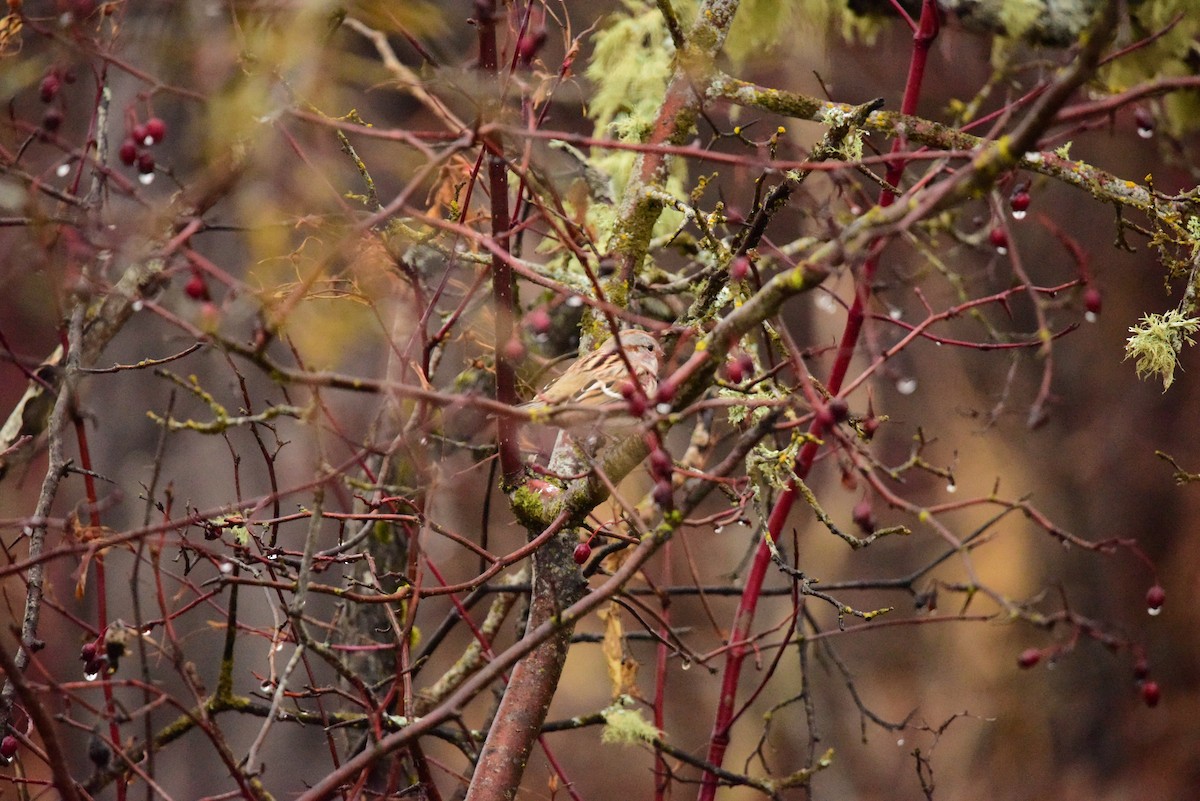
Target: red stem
744,617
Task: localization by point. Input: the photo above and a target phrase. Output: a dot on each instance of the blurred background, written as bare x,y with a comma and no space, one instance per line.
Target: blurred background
224,77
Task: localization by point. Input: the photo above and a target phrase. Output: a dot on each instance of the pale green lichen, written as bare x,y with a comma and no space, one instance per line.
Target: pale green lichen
625,726
1156,342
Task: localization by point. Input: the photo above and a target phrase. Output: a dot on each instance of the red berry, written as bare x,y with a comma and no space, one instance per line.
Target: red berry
48,89
88,652
1092,300
538,320
9,746
1156,596
145,163
733,371
1151,693
999,239
663,493
1028,658
739,269
128,153
529,45
156,130
1019,201
627,389
661,463
746,362
139,134
637,405
582,553
666,393
1141,668
196,288
514,349
863,516
1145,122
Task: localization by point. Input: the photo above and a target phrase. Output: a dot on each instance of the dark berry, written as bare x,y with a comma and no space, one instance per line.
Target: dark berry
863,516
1141,668
88,652
48,89
839,409
139,134
145,163
1019,202
746,362
52,119
1028,658
156,130
1145,122
9,746
663,493
582,553
1156,596
529,45
733,371
128,152
999,239
637,405
1151,693
666,393
661,463
627,389
1092,300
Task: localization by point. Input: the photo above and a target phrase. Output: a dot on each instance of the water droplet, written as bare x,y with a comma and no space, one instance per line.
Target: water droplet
226,568
1154,611
1066,544
63,170
574,301
687,665
718,529
1145,133
900,743
663,408
951,487
148,140
825,303
1091,317
906,386
267,686
1002,250
1019,215
138,305
272,557
895,313
146,178
92,676
278,647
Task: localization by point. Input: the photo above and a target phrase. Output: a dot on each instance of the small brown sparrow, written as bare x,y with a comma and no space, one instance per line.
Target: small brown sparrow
590,391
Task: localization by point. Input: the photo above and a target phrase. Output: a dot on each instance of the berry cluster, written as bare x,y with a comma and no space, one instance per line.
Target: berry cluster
50,92
134,149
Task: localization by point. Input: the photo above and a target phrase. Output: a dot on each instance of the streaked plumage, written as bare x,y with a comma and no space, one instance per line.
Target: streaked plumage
594,381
